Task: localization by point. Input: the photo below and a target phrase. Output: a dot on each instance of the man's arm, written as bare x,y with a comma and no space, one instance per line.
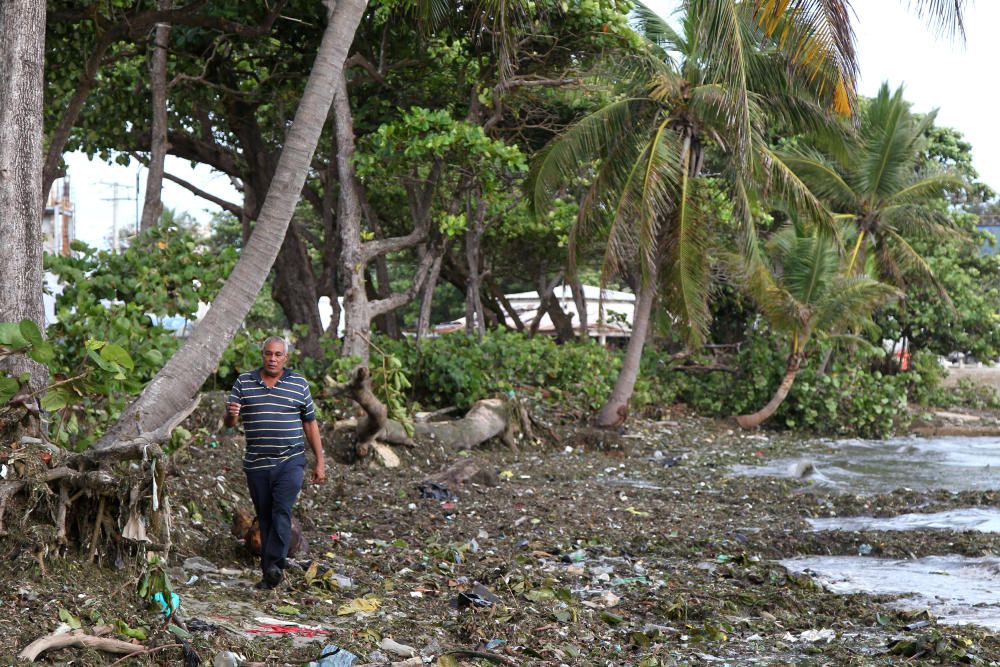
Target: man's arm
311,429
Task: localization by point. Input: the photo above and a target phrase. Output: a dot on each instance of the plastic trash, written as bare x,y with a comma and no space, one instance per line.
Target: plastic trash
864,549
395,647
334,656
435,491
175,602
479,596
226,659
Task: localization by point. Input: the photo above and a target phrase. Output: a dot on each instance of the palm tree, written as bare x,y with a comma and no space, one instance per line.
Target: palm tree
878,181
803,289
717,84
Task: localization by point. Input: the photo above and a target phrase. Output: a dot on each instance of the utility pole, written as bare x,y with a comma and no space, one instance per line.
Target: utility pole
114,199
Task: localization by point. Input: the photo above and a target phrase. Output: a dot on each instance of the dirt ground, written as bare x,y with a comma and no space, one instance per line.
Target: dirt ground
633,549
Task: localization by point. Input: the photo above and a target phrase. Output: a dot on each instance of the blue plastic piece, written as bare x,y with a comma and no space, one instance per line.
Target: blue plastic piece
334,656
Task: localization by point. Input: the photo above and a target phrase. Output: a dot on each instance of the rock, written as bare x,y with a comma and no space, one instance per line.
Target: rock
385,455
199,564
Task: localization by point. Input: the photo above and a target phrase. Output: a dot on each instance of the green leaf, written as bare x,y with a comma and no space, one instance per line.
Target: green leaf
10,336
8,387
179,632
43,353
31,332
287,610
55,399
69,619
118,355
106,365
540,594
122,628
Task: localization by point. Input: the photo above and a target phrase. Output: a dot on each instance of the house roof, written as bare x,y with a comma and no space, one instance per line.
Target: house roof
590,293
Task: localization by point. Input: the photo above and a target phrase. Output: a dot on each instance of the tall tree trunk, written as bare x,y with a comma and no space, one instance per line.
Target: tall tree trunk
762,415
152,205
427,298
296,291
580,300
357,317
22,81
615,410
173,388
475,227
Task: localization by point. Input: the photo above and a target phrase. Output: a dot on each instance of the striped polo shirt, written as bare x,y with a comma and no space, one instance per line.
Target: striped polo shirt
272,418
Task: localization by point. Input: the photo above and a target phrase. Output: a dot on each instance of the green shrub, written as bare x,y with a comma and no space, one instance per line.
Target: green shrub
848,399
459,370
966,394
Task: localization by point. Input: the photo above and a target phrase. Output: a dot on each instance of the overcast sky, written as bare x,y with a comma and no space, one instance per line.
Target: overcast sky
893,45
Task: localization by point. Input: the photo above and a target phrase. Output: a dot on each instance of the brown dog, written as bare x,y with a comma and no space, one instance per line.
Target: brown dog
245,528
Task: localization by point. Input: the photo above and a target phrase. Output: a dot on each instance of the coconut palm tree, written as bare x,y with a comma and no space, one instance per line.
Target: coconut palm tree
717,83
803,288
879,182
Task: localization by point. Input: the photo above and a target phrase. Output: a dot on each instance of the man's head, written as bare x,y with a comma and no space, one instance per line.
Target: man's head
274,353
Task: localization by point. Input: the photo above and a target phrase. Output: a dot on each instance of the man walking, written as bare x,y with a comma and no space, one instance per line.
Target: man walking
277,411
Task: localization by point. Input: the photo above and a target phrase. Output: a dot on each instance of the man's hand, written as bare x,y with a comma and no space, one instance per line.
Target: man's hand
233,410
319,472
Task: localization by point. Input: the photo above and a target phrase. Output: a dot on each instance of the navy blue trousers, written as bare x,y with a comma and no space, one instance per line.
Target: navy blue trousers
273,491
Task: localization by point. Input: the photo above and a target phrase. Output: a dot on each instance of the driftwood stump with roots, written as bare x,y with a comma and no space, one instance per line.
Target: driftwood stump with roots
91,500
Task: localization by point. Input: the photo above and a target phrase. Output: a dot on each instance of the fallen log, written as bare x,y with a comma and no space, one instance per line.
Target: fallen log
488,418
79,639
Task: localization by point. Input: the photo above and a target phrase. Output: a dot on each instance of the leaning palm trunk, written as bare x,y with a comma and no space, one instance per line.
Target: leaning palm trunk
615,410
174,387
762,415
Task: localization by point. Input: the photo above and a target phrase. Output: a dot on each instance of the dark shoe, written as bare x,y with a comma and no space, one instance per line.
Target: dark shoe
272,577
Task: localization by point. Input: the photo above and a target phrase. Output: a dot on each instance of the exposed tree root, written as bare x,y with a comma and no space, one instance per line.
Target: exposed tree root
359,388
123,481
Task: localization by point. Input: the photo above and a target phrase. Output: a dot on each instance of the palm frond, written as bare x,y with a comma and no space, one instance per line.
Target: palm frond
689,271
889,157
821,176
786,186
592,138
721,50
653,27
819,39
945,15
912,262
926,187
850,300
808,267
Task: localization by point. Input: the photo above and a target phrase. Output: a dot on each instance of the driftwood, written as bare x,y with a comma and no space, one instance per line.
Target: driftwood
77,638
487,419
